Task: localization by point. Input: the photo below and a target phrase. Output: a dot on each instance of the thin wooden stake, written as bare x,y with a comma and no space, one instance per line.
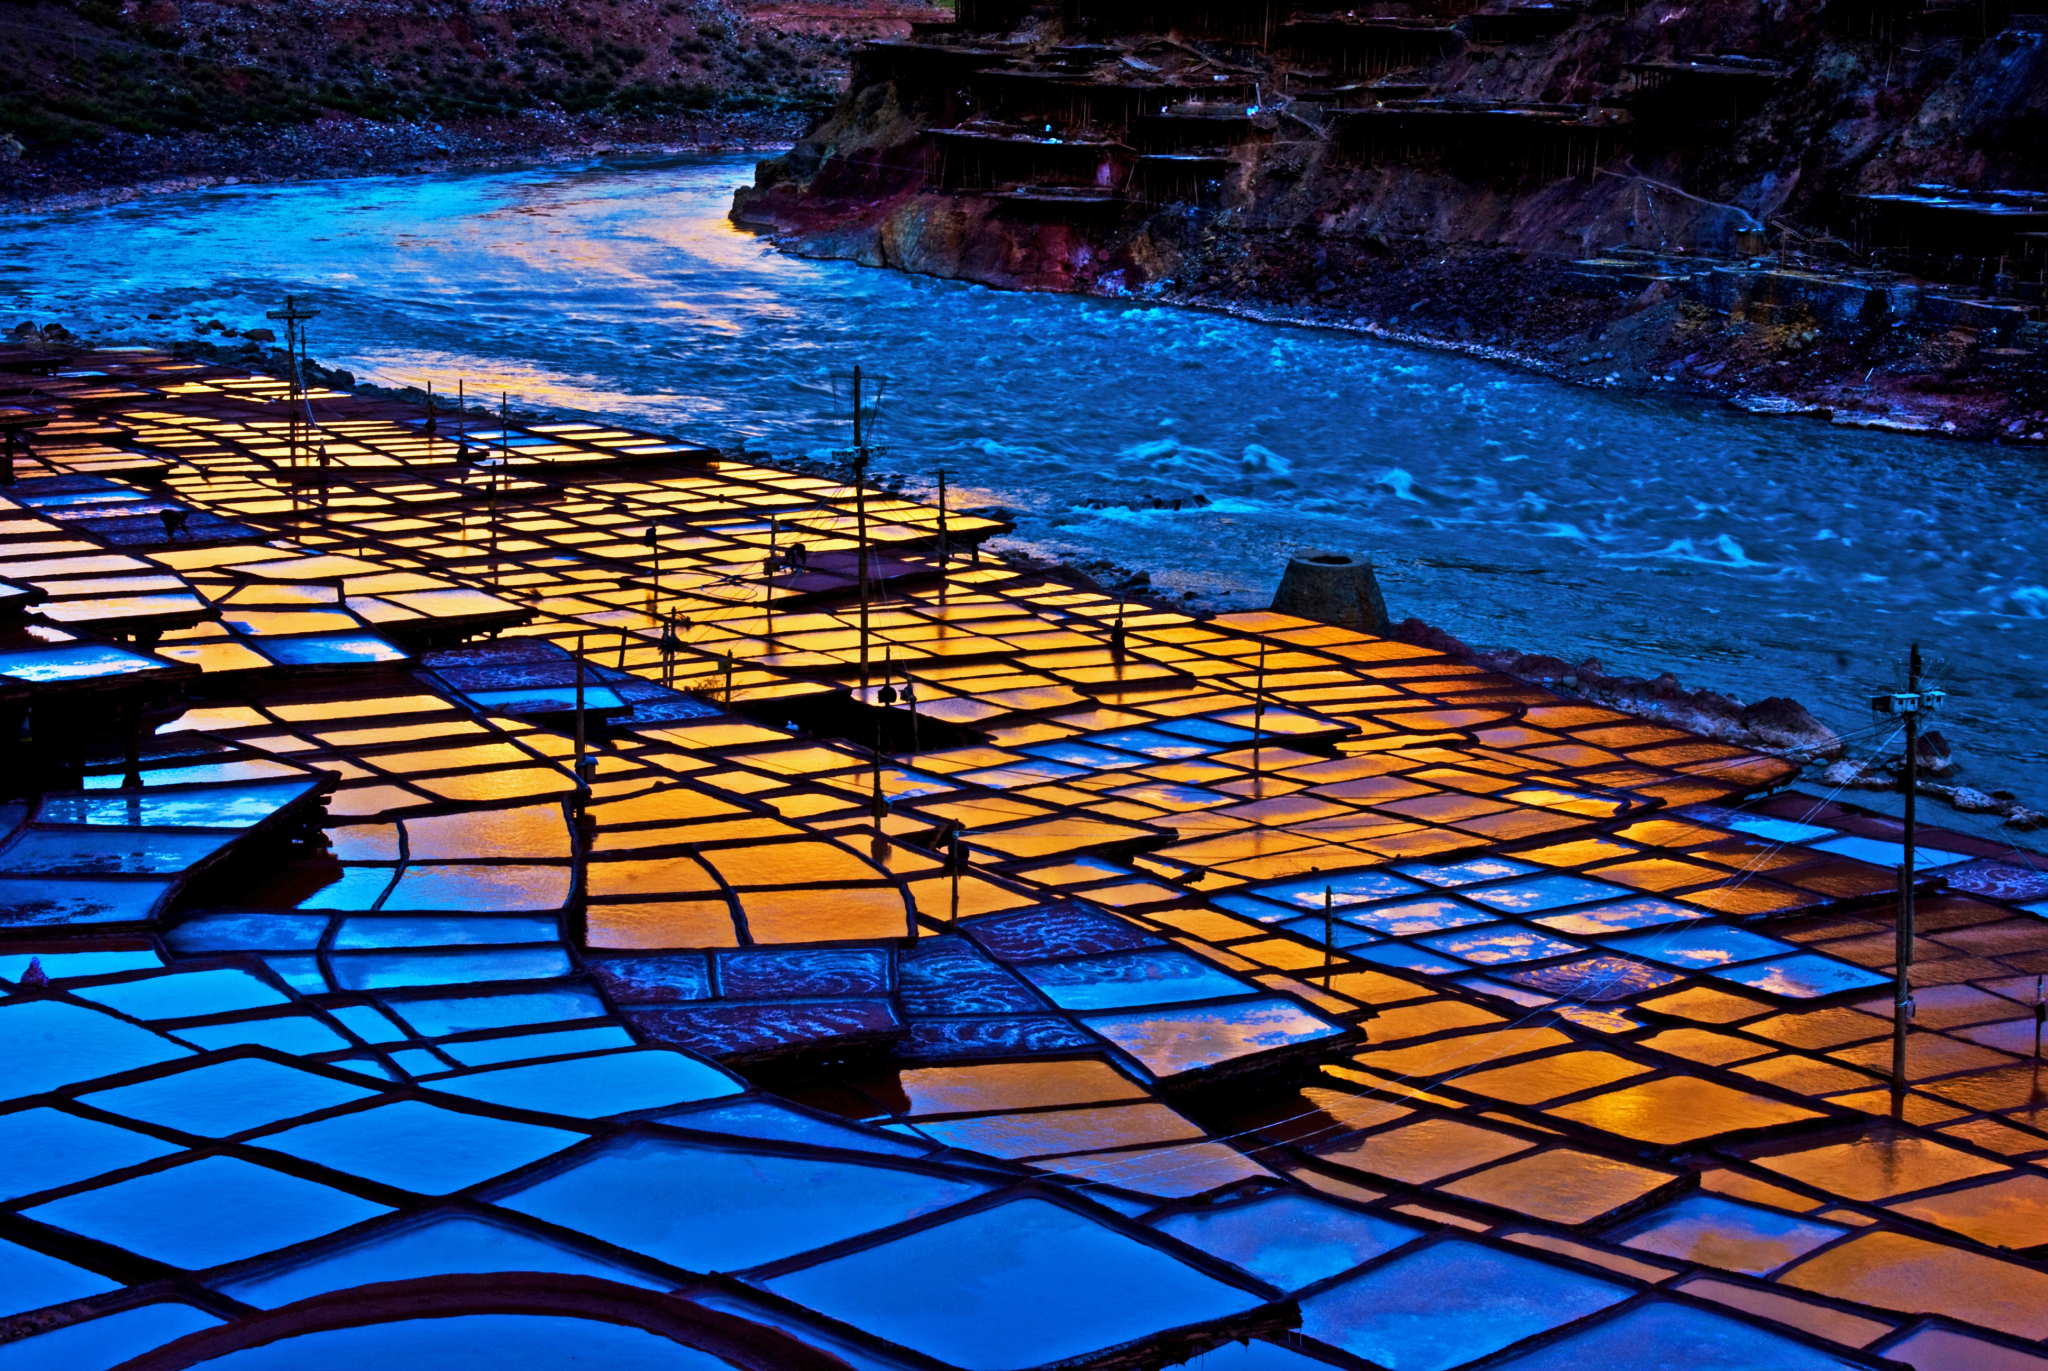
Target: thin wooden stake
1258,719
582,785
1329,936
2040,1013
1902,989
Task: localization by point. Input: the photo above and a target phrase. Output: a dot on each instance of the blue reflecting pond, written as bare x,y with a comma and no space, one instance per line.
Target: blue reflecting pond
420,1147
1449,1303
1725,1233
227,1097
717,1209
434,1018
1027,1284
432,1244
46,1148
185,995
1672,1337
30,1280
1802,976
204,1213
107,1341
597,1087
472,1340
1701,947
45,1044
1138,978
1411,917
1289,1240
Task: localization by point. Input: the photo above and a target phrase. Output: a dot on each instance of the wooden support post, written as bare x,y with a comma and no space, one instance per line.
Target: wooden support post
860,520
1329,934
582,769
1902,989
1258,720
956,852
2040,1012
131,728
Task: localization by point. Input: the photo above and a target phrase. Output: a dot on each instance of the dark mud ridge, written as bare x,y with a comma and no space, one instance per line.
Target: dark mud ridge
106,100
120,168
1809,206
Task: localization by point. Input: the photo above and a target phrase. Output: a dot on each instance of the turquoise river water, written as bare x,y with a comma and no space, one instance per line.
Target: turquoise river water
1759,556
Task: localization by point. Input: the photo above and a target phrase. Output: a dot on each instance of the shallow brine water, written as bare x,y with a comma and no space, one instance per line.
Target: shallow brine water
1759,556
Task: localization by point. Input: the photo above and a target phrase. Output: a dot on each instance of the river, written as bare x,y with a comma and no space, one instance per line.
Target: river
1757,555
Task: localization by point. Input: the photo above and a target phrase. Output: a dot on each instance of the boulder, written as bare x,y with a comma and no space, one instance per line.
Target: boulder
1786,724
1539,666
1332,588
1419,634
1932,752
1848,774
1971,800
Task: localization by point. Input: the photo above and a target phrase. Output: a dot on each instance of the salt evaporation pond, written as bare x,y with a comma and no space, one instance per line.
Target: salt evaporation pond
1759,556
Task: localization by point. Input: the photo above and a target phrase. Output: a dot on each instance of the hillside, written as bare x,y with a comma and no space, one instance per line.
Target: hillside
1834,206
99,94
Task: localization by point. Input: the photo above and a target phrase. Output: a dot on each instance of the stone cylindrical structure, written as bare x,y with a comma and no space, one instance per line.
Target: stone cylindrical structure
1335,588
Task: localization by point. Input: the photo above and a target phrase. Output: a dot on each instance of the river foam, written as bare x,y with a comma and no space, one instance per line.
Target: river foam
1757,555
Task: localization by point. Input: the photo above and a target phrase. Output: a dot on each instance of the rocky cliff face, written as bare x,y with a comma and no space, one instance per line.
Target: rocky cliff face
97,93
1677,194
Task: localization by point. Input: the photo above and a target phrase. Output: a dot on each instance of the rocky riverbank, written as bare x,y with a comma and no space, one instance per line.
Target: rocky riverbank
1757,206
1631,326
126,167
104,102
1777,725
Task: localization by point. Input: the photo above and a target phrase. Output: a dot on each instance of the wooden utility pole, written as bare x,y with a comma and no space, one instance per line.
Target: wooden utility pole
956,858
670,646
1910,706
1329,934
504,460
886,697
295,386
768,569
1258,719
1902,990
2040,1011
583,767
878,803
860,520
654,547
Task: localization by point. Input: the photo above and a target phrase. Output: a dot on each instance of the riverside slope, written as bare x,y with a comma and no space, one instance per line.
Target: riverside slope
1710,241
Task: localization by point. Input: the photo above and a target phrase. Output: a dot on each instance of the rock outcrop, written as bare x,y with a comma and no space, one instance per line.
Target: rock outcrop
1718,197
